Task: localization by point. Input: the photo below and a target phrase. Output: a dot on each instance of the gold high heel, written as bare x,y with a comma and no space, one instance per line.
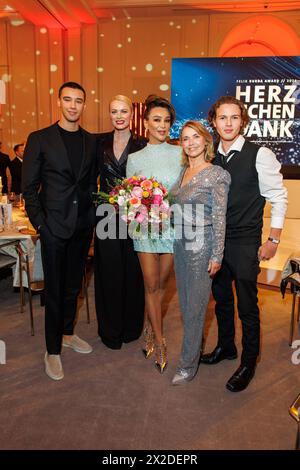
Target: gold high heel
161,361
149,341
295,409
295,413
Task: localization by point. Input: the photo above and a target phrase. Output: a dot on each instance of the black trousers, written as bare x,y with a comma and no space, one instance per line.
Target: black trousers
240,264
119,292
63,264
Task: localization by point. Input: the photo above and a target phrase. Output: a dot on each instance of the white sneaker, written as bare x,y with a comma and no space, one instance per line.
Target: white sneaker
182,376
77,344
53,366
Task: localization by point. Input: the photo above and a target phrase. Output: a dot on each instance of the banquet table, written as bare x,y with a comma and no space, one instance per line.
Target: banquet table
20,230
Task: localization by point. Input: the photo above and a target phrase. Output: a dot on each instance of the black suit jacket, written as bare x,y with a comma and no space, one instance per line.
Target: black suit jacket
16,175
4,163
51,191
109,167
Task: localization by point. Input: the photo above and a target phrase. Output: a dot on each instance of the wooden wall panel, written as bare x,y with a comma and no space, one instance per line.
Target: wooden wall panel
196,37
154,43
74,54
110,66
4,70
56,70
220,25
42,77
22,96
89,64
292,19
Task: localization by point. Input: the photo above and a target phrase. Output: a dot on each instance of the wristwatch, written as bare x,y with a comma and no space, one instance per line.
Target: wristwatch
274,240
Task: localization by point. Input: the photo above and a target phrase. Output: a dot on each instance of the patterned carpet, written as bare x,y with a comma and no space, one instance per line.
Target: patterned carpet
117,399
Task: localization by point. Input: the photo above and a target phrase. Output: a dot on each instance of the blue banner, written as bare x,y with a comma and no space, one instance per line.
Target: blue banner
269,87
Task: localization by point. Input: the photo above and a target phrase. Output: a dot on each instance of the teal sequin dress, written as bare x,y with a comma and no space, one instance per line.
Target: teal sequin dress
163,162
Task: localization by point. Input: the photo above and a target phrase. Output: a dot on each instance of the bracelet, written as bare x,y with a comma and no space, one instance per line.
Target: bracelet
274,240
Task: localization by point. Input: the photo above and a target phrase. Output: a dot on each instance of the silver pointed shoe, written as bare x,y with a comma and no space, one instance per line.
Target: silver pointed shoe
181,377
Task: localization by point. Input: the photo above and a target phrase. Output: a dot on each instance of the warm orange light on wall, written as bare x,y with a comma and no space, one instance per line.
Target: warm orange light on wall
261,36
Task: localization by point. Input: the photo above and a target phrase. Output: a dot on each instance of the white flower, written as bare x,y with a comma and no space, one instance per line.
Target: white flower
121,201
122,192
157,191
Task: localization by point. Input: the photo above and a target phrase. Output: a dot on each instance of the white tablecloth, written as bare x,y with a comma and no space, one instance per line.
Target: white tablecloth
30,245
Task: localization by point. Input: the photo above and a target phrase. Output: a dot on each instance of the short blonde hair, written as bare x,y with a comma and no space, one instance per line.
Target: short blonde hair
122,98
201,130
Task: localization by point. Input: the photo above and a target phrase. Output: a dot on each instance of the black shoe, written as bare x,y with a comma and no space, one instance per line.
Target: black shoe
241,378
218,354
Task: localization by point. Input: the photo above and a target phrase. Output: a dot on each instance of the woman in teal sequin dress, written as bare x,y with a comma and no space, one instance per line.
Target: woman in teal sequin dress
162,161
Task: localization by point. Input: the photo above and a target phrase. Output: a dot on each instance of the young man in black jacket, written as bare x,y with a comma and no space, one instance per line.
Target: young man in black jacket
58,181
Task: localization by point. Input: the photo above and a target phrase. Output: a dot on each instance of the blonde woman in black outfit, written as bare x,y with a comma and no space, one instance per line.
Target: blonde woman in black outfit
119,288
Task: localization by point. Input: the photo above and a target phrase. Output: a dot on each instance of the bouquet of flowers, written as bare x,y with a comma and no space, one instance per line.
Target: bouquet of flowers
141,200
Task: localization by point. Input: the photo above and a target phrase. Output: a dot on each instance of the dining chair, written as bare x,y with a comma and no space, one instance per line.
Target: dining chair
10,261
24,266
7,261
292,280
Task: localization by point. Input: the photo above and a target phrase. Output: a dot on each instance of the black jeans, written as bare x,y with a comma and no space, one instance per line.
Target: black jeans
241,265
63,264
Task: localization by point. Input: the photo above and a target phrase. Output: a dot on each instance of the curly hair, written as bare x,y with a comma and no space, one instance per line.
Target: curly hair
212,113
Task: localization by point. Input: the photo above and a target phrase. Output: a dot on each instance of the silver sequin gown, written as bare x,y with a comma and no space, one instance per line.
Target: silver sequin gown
209,189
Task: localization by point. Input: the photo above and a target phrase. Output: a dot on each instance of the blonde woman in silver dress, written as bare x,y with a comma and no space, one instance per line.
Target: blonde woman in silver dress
203,186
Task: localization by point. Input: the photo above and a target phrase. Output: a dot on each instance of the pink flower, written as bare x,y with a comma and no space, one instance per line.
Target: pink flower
157,200
164,207
121,200
146,185
134,201
140,217
137,192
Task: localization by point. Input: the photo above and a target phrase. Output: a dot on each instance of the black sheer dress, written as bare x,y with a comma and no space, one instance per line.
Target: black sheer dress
119,288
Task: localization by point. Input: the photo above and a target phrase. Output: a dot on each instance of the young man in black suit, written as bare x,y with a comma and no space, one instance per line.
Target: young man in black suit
16,169
255,179
58,181
4,164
